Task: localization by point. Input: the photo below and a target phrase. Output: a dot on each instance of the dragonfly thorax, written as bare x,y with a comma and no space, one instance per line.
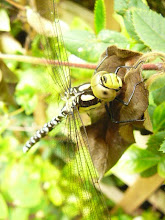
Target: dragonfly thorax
82,97
85,99
70,99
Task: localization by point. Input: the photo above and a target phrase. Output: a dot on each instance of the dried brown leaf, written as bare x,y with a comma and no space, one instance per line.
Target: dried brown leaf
108,140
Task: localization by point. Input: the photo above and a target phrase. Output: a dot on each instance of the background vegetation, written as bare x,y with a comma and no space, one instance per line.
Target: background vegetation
26,104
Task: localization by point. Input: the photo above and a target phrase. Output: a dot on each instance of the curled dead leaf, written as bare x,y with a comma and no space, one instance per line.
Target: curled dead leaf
108,140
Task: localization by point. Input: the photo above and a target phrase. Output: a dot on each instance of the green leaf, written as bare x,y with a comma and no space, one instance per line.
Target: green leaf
22,185
149,172
161,167
50,172
19,213
4,21
113,37
27,98
78,22
122,6
84,45
158,83
130,27
4,123
162,147
159,118
150,28
137,4
150,215
137,160
151,109
138,46
56,195
125,9
87,46
3,208
158,95
155,141
99,16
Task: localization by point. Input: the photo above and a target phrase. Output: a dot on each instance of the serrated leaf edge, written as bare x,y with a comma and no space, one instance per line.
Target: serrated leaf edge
148,11
104,12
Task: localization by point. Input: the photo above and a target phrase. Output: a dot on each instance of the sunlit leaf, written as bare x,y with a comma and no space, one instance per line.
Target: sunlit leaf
158,82
23,187
78,22
137,160
10,45
130,27
161,167
159,118
19,213
26,97
153,24
88,46
155,141
150,215
83,45
4,21
149,172
3,208
4,123
162,147
99,13
49,172
56,195
122,6
158,95
113,37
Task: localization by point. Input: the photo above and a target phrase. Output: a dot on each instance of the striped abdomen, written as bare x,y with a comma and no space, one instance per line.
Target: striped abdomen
44,131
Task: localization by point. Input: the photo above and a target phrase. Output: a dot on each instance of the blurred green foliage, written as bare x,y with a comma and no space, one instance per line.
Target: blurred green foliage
34,186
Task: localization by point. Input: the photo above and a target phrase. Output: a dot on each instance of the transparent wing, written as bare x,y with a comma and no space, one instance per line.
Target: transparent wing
80,171
84,180
47,24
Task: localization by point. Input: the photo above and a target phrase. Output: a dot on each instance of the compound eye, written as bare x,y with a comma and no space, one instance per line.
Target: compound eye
117,89
104,79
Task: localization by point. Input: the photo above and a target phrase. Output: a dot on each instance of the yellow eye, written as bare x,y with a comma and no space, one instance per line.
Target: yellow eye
105,85
104,79
111,81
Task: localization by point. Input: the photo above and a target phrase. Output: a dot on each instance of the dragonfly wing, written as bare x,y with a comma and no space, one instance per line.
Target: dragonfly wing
90,199
79,168
48,25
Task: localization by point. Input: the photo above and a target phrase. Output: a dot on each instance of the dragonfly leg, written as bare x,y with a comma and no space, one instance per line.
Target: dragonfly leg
127,103
128,67
108,110
111,115
101,61
128,121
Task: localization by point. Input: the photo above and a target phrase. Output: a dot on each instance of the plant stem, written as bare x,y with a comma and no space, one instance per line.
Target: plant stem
15,4
42,61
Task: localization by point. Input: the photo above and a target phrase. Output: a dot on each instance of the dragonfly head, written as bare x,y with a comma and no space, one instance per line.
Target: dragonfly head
106,85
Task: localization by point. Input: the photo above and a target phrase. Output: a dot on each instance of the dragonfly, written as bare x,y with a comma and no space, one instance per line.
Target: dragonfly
77,99
102,89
